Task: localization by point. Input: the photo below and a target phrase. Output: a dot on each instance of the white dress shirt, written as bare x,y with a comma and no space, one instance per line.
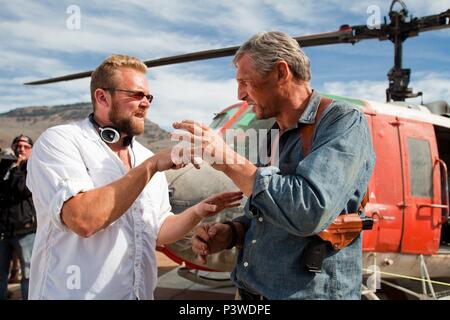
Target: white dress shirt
117,262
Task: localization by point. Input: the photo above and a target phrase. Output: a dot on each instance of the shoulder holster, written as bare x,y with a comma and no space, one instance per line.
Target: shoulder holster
346,227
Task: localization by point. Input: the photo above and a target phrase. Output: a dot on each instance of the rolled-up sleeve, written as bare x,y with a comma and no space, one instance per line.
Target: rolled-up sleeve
56,172
165,209
341,160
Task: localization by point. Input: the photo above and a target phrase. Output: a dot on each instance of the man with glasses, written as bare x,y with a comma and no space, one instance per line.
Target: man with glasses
17,214
102,199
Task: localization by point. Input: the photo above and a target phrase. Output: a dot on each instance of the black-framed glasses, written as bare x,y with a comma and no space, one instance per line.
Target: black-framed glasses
137,94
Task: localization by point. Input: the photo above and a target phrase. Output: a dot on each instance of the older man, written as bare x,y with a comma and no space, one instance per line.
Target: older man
102,203
325,162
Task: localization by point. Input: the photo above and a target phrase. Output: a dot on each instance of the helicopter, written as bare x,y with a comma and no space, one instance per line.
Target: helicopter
408,192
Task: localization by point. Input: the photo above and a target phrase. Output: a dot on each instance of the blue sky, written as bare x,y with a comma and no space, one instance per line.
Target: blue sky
35,43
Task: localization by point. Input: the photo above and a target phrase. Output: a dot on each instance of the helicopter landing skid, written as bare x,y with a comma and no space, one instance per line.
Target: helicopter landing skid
420,286
201,277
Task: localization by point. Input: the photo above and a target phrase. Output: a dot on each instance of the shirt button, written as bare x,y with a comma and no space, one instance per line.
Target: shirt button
246,264
260,219
253,241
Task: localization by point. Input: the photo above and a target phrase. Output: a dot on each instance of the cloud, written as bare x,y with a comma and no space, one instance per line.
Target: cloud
434,86
97,39
54,94
37,44
28,63
164,27
370,90
181,95
417,8
227,19
25,10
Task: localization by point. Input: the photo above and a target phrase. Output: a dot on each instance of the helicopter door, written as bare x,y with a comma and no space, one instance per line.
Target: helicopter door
421,227
385,188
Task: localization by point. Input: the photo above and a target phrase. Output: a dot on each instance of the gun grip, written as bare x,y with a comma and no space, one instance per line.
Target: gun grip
313,255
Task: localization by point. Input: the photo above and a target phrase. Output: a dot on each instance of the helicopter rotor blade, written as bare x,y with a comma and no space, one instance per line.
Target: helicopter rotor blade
346,34
74,76
305,41
434,22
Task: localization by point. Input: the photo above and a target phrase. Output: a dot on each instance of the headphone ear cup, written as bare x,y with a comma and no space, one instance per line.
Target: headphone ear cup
109,135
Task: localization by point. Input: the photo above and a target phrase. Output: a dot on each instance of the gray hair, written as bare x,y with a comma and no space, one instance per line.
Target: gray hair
267,48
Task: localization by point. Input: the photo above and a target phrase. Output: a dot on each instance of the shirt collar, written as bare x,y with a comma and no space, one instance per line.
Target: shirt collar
309,114
89,130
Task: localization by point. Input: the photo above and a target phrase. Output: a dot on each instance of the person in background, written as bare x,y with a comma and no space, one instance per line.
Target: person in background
17,215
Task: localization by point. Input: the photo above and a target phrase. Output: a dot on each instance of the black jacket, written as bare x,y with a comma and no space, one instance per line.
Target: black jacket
17,213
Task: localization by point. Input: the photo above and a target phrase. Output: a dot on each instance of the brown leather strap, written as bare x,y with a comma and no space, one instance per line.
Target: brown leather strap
364,200
306,135
307,130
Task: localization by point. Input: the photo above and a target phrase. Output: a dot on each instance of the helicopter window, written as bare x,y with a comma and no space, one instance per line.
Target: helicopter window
248,120
221,118
244,141
420,166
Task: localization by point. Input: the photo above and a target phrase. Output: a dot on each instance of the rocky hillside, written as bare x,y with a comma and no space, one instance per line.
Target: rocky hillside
32,121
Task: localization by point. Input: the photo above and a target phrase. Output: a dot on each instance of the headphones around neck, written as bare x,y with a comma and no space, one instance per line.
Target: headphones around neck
110,134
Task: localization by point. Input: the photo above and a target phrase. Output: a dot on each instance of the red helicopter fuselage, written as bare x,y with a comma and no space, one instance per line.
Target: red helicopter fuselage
408,192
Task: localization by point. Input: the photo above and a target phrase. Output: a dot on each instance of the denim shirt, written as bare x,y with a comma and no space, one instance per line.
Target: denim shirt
300,198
